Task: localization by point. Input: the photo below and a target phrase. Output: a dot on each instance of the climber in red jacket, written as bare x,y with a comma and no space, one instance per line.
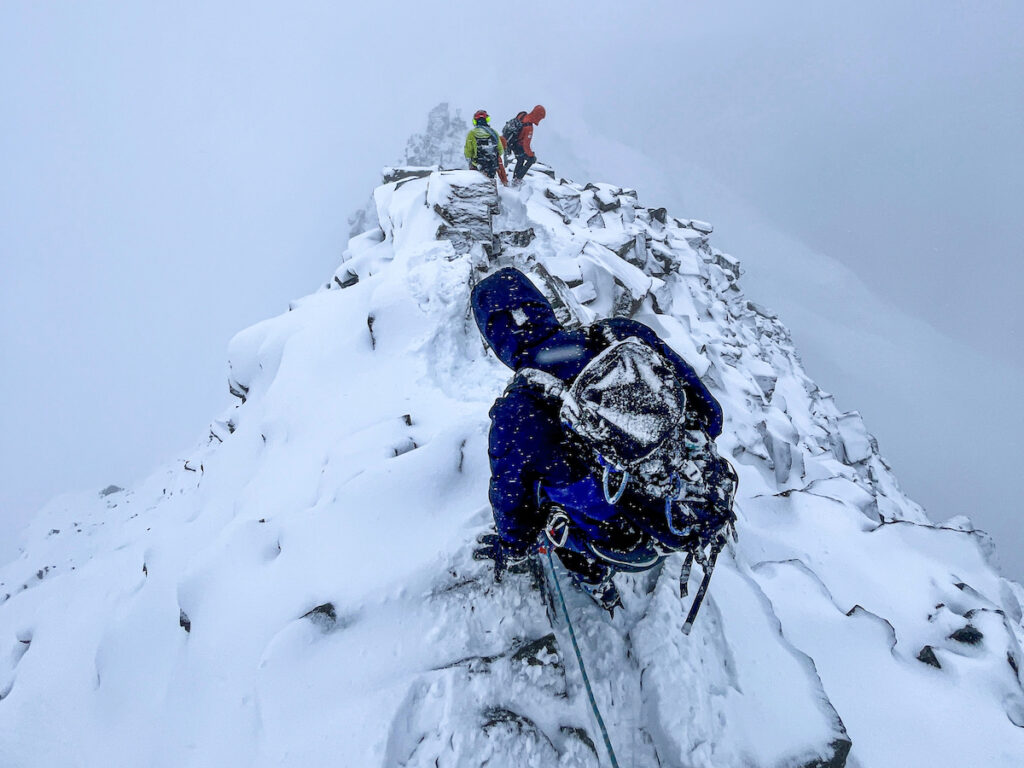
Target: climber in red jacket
519,142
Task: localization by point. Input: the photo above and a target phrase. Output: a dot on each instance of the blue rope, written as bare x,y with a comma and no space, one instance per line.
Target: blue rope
583,669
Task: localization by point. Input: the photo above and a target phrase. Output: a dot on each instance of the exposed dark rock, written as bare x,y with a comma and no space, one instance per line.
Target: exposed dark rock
466,214
697,226
184,621
496,716
369,324
625,304
606,200
237,389
405,447
347,280
460,239
927,656
973,611
624,250
531,651
517,239
391,175
111,489
761,310
660,215
580,735
968,634
324,616
729,265
558,295
840,751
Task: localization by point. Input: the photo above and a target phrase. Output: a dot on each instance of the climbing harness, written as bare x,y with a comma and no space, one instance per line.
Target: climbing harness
579,659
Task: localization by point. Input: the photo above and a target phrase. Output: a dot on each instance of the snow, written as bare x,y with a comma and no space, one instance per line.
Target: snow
300,591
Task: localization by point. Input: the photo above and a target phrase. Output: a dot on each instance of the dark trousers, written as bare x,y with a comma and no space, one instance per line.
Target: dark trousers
582,568
523,163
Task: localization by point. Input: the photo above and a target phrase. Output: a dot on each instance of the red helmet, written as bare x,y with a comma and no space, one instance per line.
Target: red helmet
481,114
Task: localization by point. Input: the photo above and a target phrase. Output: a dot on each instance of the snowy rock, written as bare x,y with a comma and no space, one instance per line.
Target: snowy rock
927,656
968,634
392,175
565,200
441,143
606,200
466,202
855,439
697,226
318,554
347,279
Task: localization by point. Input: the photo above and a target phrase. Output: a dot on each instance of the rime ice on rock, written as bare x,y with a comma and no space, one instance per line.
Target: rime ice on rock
322,556
466,202
441,143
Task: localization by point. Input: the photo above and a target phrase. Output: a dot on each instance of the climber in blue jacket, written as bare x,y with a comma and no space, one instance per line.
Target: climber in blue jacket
544,478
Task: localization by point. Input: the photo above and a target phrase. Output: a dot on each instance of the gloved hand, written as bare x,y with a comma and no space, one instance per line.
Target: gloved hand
506,559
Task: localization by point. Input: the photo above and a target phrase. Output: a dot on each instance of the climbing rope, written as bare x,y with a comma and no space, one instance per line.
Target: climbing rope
579,659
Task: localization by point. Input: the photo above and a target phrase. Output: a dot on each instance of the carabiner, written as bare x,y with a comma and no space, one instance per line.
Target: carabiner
613,499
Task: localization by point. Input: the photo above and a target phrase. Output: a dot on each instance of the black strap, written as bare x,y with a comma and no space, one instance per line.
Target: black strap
709,568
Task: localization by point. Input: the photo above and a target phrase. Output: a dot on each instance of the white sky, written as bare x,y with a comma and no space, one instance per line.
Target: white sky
174,174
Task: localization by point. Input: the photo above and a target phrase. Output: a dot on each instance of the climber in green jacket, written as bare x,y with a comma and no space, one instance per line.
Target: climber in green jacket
484,148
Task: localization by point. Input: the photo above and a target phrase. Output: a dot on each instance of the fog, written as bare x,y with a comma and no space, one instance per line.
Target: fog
172,175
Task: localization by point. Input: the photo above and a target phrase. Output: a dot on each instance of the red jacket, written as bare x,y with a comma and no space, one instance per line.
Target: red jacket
526,134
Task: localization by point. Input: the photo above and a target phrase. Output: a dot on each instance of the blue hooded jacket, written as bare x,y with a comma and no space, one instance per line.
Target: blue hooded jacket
530,453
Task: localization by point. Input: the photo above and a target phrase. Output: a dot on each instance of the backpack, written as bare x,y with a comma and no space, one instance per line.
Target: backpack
625,403
627,408
487,150
512,130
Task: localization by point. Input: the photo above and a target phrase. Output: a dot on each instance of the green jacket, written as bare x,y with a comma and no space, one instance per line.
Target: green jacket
477,133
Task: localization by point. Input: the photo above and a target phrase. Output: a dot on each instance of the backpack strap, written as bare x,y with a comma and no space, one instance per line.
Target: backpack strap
607,333
702,590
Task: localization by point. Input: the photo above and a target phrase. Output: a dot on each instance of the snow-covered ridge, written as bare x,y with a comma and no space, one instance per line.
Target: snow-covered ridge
300,591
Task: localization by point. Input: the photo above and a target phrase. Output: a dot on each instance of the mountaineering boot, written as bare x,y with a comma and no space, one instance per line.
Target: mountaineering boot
591,576
604,593
491,547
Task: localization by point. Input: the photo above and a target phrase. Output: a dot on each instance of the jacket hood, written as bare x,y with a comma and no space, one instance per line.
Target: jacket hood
519,323
537,114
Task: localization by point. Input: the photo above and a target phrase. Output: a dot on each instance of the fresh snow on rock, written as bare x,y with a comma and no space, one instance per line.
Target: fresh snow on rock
301,592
